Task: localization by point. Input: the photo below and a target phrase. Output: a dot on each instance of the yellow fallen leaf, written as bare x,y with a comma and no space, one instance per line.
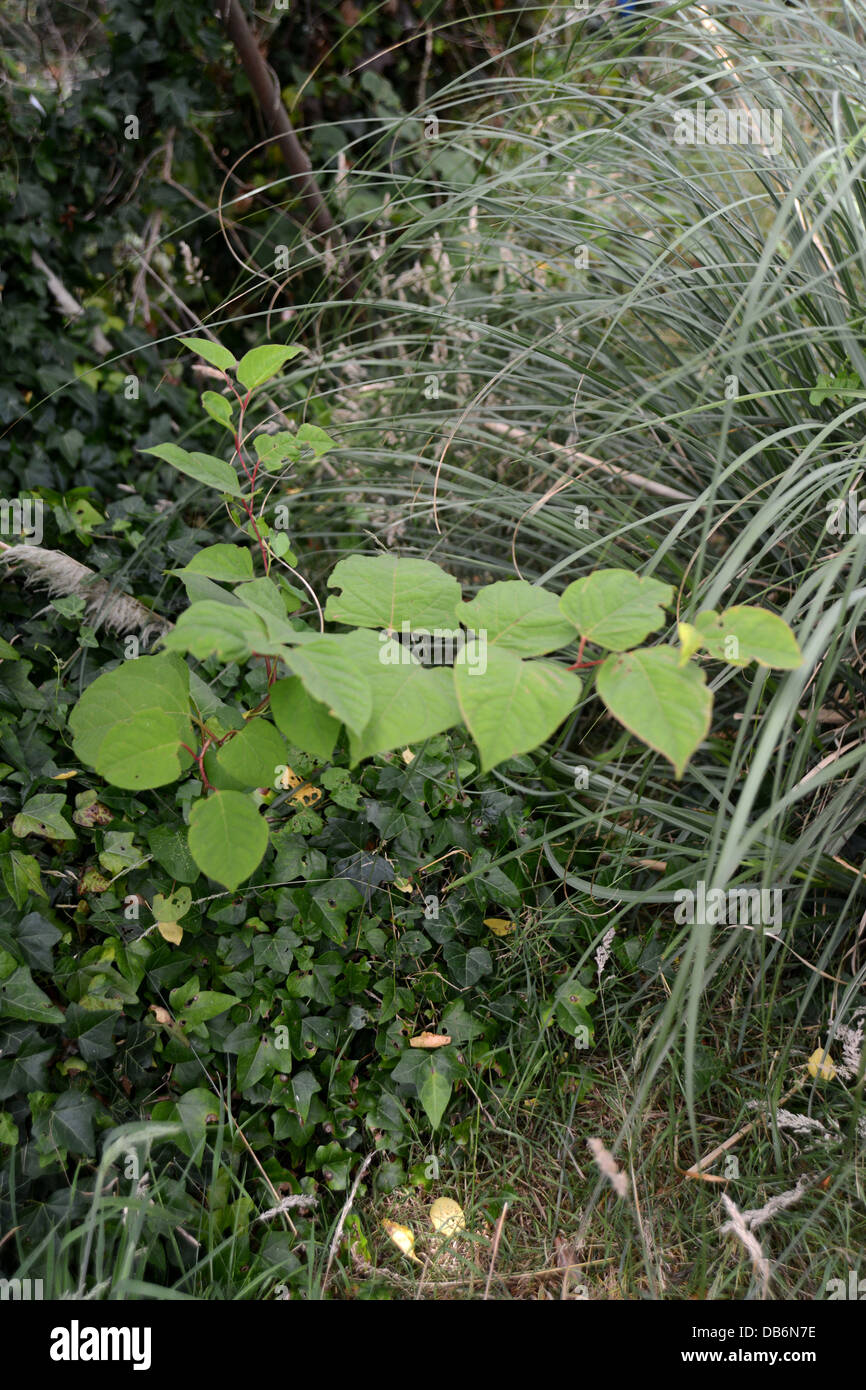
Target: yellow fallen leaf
820,1064
307,796
170,931
403,1238
500,926
302,791
447,1216
430,1040
407,755
64,776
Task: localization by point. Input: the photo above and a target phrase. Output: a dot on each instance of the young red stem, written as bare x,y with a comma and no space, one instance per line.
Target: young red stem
580,664
198,758
251,478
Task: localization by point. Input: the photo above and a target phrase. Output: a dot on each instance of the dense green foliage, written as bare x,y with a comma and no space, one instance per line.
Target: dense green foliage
571,384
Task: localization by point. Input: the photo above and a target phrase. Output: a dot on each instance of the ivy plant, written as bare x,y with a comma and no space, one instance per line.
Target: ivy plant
146,723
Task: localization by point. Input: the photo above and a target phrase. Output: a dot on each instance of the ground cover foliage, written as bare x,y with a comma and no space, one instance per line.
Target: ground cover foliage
548,339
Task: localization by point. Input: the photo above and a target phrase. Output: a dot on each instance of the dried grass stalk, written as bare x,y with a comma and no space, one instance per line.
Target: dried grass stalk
60,574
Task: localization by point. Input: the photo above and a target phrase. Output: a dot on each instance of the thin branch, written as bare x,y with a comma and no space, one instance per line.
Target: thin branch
264,83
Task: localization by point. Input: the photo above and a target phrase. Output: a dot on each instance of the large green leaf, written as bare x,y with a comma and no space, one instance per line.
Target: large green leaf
229,631
252,756
204,468
143,752
742,634
328,667
519,616
616,608
305,722
514,705
227,837
667,705
410,702
262,363
131,722
386,591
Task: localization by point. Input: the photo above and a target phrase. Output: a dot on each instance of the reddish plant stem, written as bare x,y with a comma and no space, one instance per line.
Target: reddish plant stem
243,402
198,758
247,502
580,664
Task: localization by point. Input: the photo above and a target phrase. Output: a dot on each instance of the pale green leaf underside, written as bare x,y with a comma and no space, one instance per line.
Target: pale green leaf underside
758,634
515,705
410,702
385,591
616,608
305,722
666,705
518,616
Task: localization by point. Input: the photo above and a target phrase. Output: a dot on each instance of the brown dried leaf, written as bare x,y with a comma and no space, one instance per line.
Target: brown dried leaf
430,1040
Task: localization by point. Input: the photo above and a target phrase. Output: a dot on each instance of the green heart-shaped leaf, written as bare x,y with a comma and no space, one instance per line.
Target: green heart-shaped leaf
519,616
227,837
616,608
742,634
665,704
513,705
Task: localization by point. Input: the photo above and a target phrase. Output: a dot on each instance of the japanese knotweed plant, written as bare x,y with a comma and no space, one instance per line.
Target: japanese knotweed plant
142,725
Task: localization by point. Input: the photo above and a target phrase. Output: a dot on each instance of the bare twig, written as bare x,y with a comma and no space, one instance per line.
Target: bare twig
497,1235
563,450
